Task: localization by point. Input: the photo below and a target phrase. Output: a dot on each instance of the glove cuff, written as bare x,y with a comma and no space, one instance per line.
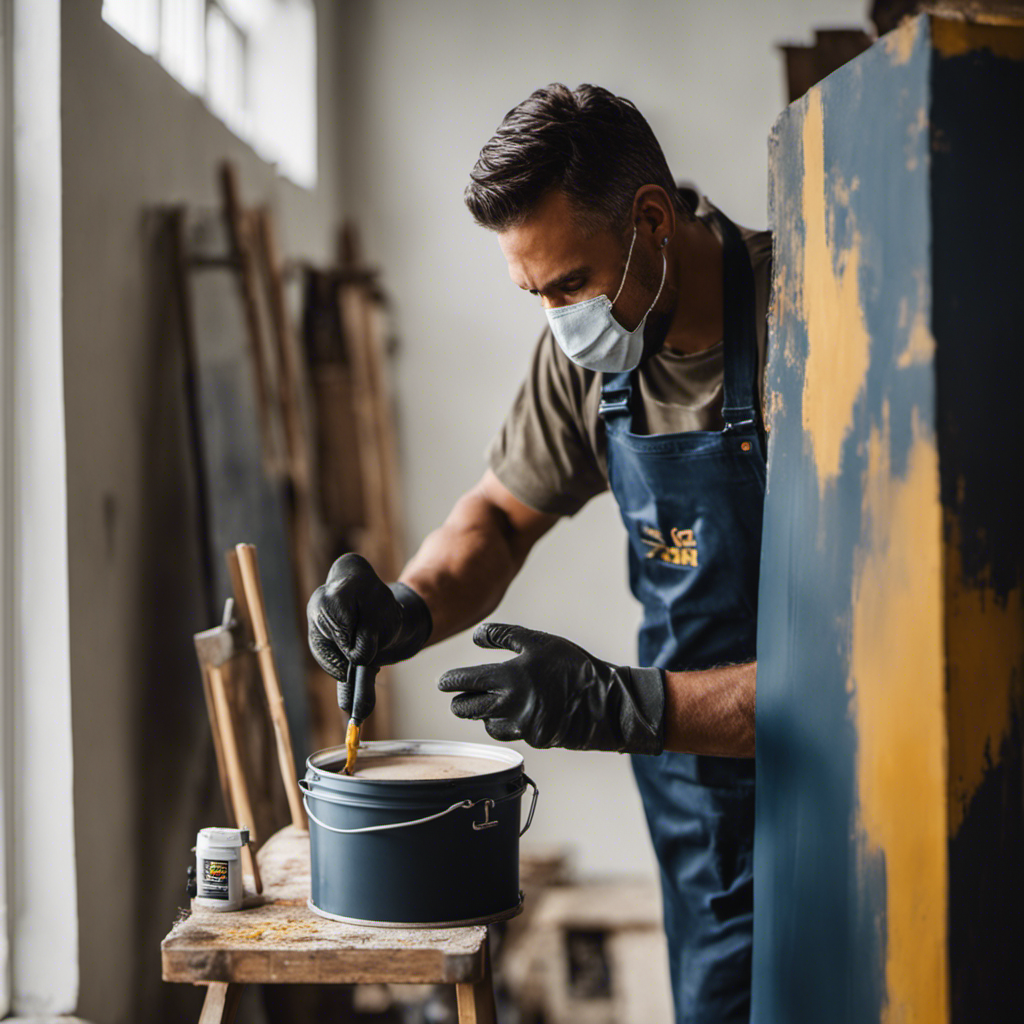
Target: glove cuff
644,732
417,623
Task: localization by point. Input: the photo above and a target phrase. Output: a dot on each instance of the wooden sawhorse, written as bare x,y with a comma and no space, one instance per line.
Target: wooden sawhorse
279,939
283,941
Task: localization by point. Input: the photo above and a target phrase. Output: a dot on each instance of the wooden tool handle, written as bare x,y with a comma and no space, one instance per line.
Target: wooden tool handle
268,670
233,763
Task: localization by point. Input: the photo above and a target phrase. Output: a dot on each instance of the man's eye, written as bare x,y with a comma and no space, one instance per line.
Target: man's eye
572,286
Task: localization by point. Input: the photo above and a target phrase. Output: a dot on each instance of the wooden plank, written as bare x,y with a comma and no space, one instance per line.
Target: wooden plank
355,315
249,708
220,1004
218,745
476,999
249,569
243,504
306,531
306,527
364,327
175,227
239,786
243,255
282,940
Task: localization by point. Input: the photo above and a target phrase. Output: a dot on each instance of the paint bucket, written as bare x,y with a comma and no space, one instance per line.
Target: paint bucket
416,852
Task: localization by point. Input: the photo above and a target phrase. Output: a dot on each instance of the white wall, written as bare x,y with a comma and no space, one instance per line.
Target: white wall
426,85
36,773
133,138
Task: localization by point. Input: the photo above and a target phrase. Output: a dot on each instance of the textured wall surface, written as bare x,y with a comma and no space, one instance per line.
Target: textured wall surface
889,645
133,139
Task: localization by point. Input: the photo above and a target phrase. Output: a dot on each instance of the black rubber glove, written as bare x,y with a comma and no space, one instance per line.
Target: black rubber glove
357,619
555,694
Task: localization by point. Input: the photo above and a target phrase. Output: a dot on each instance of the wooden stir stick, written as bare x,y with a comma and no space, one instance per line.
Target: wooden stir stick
249,568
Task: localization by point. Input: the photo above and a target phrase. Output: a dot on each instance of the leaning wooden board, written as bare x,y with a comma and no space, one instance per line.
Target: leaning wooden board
284,941
242,503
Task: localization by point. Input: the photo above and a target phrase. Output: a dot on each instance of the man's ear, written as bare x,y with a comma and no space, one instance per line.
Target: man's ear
654,215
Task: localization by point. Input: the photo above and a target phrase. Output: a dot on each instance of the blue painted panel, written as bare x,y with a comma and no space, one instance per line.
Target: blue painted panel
820,894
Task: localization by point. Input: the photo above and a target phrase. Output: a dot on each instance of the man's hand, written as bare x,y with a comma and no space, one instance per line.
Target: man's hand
357,619
555,694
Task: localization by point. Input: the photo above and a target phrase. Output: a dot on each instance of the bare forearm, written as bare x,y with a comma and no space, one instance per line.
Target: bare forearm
711,711
462,572
464,567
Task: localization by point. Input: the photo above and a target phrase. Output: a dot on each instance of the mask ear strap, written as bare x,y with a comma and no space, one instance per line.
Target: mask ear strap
629,256
664,272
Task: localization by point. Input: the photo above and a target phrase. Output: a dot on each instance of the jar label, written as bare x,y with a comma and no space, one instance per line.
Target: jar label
214,883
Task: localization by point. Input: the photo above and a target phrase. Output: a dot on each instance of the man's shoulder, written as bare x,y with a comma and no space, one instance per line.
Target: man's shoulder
758,240
759,245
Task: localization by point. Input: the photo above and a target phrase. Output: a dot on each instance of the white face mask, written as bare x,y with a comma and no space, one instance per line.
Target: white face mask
590,336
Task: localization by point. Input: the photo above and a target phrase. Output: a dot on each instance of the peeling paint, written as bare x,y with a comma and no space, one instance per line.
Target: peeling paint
774,405
914,132
920,347
838,345
896,672
985,657
899,43
954,38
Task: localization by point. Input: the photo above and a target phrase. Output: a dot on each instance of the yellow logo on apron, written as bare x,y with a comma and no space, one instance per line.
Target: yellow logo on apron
682,551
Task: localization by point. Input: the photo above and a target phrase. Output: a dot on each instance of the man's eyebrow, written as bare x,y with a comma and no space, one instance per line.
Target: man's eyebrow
580,271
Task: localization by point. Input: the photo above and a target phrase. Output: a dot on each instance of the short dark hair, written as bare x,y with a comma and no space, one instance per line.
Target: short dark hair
586,142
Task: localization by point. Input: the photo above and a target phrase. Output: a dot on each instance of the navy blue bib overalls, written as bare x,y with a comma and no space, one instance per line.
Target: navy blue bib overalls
692,504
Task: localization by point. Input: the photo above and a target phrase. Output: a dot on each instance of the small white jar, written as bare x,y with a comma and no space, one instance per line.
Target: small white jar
219,867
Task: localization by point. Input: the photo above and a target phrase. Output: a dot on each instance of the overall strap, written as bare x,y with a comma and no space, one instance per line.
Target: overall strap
739,341
616,395
738,328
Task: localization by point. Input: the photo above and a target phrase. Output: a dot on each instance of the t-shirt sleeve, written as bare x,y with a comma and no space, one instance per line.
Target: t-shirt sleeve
543,452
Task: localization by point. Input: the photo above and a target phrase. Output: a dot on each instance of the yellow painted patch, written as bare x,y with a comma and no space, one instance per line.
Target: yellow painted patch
985,657
920,346
914,132
897,682
1004,37
838,346
899,43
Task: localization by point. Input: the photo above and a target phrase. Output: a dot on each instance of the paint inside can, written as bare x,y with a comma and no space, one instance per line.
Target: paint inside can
408,767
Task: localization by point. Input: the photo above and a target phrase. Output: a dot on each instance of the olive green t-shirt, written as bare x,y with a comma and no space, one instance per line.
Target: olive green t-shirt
551,453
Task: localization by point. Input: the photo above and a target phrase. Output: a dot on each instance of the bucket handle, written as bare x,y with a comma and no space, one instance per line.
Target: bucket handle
489,802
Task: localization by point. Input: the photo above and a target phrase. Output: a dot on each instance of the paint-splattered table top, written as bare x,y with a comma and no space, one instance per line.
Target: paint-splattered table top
282,940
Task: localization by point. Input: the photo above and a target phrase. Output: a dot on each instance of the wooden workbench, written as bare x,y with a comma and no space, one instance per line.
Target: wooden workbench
282,940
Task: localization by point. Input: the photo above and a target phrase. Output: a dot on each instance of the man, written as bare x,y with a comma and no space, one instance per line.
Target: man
646,381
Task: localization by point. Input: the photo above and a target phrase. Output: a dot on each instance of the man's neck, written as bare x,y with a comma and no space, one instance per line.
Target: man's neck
697,320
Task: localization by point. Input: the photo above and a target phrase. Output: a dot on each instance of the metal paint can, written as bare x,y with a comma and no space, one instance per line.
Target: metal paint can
416,852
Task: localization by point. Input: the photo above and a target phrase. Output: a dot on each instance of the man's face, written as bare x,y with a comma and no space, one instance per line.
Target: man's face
550,255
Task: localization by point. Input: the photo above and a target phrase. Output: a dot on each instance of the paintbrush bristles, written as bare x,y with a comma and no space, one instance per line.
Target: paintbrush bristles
351,747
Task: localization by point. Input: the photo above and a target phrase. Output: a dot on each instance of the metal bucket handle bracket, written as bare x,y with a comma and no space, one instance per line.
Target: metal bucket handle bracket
488,803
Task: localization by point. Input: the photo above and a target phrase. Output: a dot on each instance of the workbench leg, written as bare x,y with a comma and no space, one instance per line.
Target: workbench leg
476,999
221,1003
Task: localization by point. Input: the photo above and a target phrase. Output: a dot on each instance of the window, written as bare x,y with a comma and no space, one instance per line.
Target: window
253,62
225,60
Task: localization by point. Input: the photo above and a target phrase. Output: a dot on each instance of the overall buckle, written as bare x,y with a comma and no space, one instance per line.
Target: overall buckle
614,402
